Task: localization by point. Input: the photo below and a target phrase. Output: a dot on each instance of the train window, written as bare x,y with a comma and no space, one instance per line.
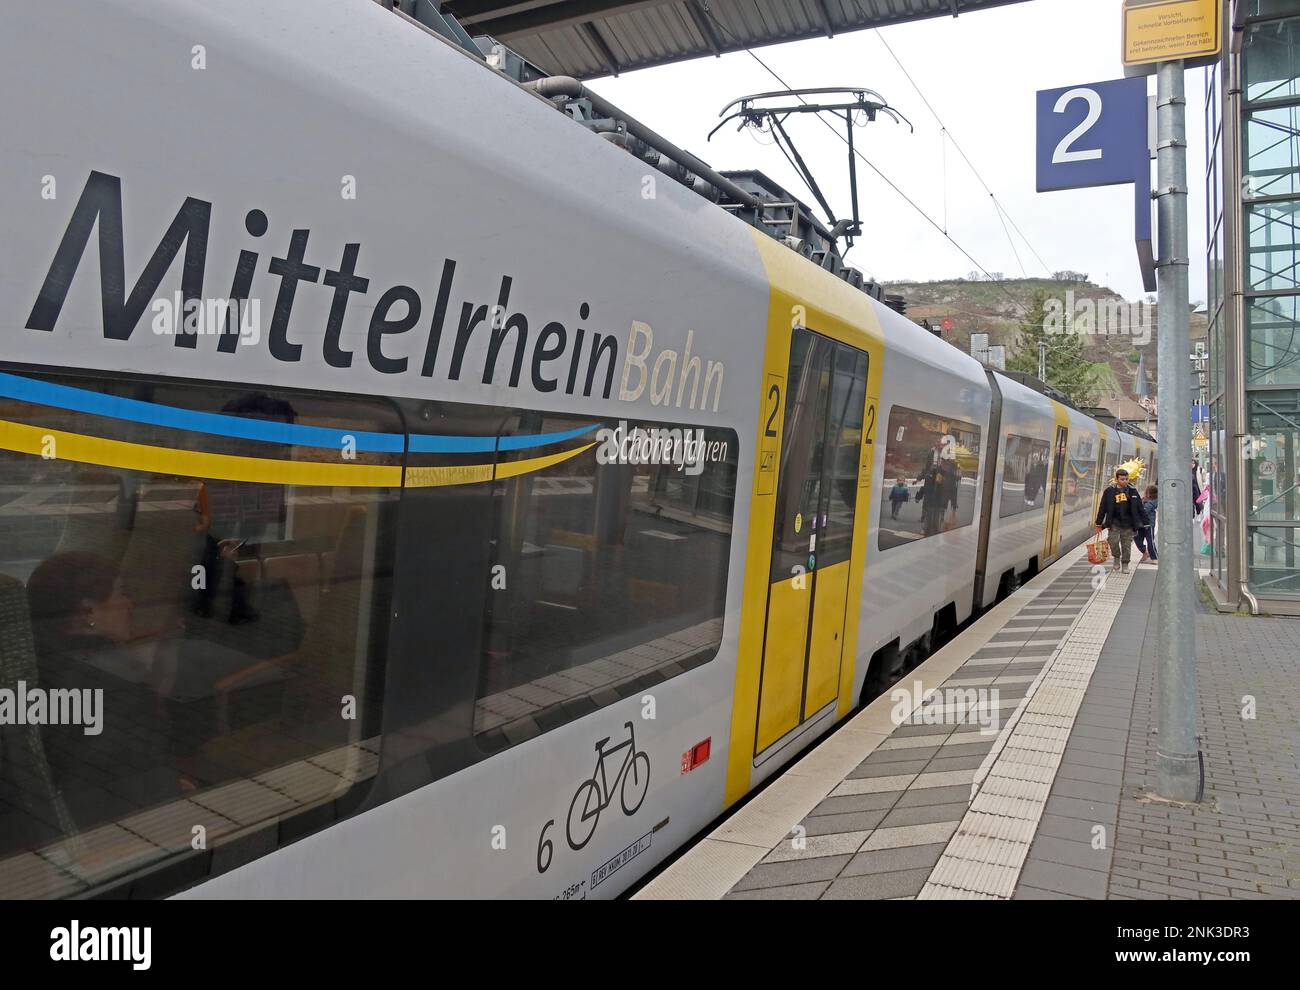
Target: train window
194,601
1081,473
931,473
1112,462
844,443
1024,474
610,569
819,454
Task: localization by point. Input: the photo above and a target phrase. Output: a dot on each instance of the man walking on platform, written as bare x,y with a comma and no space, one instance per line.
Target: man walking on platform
1121,511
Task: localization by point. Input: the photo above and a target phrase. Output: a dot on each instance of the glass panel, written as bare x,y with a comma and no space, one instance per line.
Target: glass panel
1273,246
1217,345
206,572
615,571
1213,470
1272,153
1058,464
1272,344
1215,273
1108,468
1221,196
1272,62
1253,9
1274,561
931,472
1024,474
1204,442
1273,467
1220,547
1212,365
1208,455
803,448
844,438
1211,199
1211,104
1081,473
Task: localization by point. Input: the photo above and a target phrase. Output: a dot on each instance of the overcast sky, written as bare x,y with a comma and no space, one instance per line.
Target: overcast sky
979,72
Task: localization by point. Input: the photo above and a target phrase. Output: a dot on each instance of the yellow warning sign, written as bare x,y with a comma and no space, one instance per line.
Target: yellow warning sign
1163,30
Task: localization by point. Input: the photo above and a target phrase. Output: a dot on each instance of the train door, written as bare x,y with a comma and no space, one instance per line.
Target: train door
1052,537
1101,481
816,496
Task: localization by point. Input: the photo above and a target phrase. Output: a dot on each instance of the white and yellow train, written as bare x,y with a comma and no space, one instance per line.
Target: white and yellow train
523,512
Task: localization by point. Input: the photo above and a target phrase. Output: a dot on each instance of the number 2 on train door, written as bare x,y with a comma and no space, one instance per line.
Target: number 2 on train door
765,476
816,495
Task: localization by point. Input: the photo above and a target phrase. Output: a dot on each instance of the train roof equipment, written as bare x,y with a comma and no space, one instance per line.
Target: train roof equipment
768,112
748,194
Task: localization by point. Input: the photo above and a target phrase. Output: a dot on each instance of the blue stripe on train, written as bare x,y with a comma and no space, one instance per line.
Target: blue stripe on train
220,424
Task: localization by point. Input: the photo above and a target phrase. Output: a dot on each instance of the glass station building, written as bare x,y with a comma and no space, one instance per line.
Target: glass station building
1253,258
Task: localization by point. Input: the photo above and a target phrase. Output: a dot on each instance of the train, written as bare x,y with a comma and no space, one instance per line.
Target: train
408,491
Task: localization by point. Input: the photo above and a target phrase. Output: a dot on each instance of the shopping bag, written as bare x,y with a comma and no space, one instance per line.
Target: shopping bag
1098,551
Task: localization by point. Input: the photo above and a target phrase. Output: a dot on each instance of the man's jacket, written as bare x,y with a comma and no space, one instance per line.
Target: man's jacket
1121,507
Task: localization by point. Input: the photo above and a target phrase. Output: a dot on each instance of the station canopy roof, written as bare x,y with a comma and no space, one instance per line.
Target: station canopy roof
592,38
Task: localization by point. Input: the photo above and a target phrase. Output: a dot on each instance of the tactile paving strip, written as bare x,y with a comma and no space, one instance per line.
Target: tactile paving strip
985,855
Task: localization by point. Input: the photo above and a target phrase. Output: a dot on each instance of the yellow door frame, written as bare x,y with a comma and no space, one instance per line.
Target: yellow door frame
1056,493
800,294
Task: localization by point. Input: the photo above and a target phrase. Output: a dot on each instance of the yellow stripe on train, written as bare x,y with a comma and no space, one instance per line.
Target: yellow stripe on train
63,446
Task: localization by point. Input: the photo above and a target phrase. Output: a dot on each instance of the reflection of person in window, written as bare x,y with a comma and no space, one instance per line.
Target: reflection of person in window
1032,484
938,496
81,620
221,580
933,457
224,594
897,497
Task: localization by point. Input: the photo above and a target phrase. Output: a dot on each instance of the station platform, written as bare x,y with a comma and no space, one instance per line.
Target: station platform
1016,762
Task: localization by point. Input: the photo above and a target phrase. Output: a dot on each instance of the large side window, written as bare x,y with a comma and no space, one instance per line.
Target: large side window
931,473
194,603
611,554
1024,474
1112,462
1081,473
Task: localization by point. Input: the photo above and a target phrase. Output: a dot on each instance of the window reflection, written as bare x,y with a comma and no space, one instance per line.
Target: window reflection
1270,55
1024,474
221,622
614,576
931,472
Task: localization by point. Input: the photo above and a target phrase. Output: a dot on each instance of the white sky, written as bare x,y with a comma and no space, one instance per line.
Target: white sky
980,72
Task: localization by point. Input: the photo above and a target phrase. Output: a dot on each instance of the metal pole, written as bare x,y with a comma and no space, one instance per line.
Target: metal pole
1042,360
1177,771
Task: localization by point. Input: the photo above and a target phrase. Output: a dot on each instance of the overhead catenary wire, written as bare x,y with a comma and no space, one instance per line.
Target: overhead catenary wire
908,199
872,165
943,155
1010,241
997,205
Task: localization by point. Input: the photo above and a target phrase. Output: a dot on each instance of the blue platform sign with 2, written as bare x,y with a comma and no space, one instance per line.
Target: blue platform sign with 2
1096,135
1092,135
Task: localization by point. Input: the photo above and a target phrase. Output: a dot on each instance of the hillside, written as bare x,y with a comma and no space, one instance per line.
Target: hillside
998,308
